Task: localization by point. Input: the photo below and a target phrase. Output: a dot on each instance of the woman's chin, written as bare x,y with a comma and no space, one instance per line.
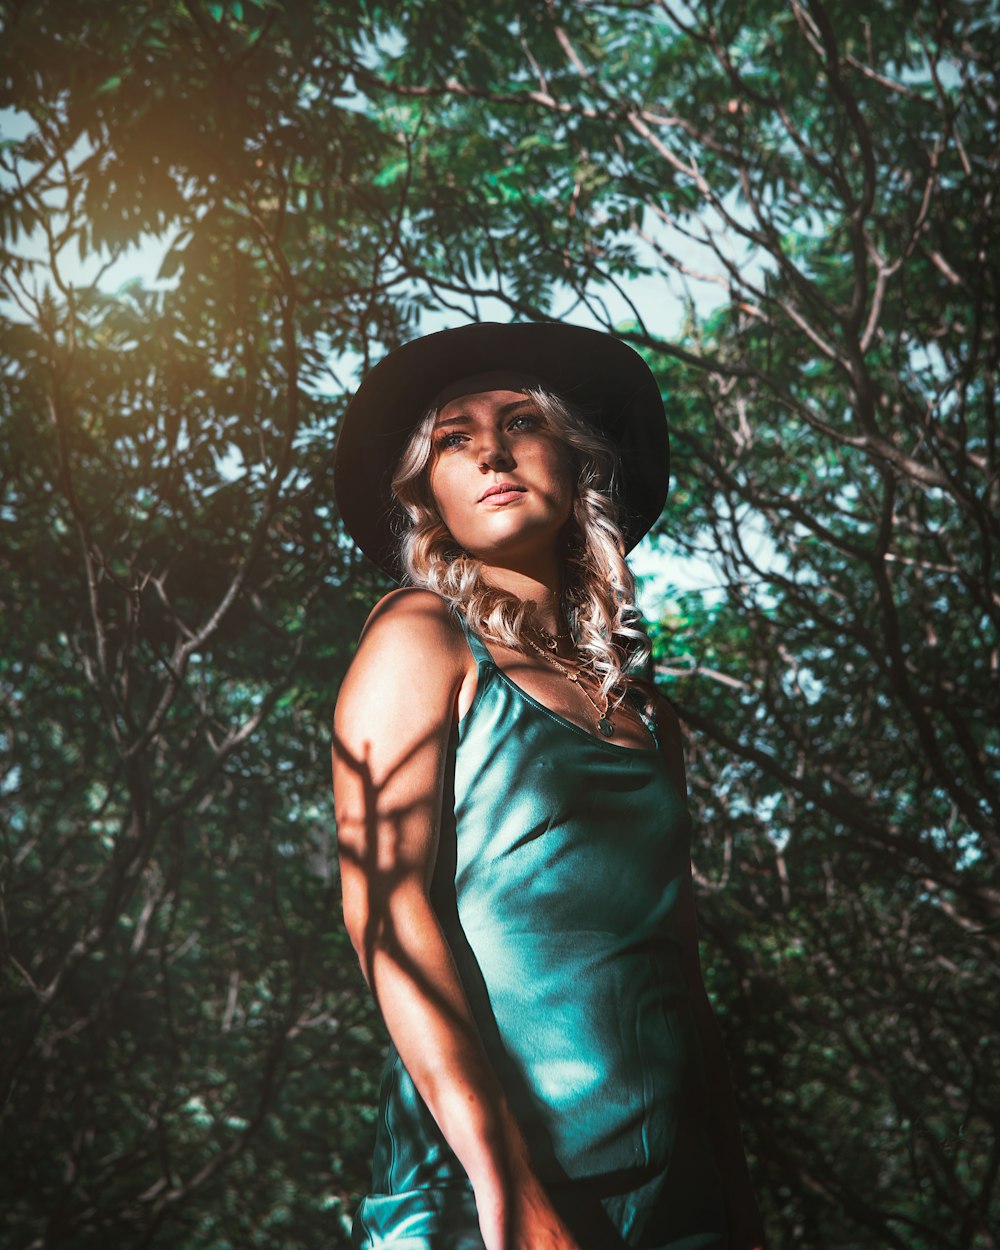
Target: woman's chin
515,549
520,539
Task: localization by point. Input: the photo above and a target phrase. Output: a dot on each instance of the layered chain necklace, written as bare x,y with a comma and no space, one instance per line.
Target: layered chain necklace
604,724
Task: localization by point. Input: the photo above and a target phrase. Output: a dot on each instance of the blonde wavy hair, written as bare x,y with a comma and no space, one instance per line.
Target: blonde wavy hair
598,590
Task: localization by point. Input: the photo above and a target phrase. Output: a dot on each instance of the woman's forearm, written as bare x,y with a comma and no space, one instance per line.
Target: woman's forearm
413,976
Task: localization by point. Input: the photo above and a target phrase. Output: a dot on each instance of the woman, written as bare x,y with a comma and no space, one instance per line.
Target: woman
511,816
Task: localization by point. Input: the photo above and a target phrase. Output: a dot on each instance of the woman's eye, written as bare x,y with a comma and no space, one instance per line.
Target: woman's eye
444,443
526,421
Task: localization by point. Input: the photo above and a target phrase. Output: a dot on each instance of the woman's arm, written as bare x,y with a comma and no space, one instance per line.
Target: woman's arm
392,726
746,1227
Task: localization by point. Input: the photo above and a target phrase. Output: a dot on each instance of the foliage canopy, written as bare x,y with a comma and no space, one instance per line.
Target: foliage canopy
191,1059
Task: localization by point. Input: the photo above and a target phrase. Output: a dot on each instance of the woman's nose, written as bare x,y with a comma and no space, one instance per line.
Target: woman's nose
494,452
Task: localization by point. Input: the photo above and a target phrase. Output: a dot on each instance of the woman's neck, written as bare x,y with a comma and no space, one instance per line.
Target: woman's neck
542,587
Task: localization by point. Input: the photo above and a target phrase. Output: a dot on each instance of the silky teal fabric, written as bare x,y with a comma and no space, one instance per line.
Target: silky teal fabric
557,883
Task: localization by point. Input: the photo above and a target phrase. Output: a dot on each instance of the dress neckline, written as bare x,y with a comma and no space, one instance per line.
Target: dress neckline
618,747
482,655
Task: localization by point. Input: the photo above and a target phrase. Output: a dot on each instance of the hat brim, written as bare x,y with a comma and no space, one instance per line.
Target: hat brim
604,378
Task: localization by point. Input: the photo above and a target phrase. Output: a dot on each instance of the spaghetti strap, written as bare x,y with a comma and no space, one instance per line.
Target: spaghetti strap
476,645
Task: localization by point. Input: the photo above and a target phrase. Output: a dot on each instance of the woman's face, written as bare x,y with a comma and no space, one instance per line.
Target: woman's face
501,480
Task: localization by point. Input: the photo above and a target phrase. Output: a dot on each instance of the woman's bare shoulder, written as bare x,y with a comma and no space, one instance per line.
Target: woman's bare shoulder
415,619
411,644
418,624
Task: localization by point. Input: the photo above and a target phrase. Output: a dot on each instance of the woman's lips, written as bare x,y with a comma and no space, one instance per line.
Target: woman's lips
506,495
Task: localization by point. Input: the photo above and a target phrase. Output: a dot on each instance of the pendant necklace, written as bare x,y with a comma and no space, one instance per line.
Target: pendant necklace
604,724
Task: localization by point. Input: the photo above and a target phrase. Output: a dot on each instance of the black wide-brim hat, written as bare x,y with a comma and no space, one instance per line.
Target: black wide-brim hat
607,381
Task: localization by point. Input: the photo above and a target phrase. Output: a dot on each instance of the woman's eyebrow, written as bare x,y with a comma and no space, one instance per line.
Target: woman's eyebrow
506,410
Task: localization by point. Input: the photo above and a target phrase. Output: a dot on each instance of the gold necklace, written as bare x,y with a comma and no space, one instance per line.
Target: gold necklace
604,724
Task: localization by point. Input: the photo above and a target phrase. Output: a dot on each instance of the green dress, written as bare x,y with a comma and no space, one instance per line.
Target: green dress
560,866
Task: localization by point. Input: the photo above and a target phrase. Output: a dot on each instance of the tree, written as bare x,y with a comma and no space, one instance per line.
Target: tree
835,428
836,444
179,602
179,1000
